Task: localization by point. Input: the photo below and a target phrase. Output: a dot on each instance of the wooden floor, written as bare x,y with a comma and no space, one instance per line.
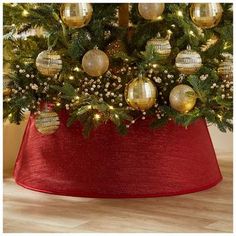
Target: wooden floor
206,211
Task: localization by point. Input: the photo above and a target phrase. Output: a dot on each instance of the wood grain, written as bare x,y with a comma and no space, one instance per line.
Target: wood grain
207,211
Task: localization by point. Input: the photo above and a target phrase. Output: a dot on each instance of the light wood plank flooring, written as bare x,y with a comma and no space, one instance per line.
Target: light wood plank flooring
206,211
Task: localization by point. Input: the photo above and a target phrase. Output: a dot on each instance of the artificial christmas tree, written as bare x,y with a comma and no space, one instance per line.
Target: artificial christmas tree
85,75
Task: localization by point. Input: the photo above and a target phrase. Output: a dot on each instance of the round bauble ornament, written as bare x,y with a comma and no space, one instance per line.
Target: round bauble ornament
182,98
188,61
95,62
76,15
160,45
206,15
6,80
47,122
141,93
6,92
49,63
225,69
151,11
115,47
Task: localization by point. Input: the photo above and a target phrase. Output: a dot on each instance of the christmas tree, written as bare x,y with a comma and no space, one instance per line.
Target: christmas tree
119,63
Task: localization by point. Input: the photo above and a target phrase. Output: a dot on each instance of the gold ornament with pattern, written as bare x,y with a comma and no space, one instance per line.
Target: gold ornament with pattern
141,93
225,69
49,63
160,45
151,11
76,15
188,61
95,62
47,122
182,98
206,15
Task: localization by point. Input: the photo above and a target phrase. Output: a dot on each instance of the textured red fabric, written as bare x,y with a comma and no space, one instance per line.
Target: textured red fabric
168,161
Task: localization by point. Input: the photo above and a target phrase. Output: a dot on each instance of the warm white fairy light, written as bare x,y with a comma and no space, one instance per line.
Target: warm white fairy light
77,69
97,116
191,33
25,13
180,13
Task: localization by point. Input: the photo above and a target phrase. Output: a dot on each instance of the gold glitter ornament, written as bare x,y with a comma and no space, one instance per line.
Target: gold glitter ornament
225,69
160,45
47,122
49,63
76,15
206,15
182,98
141,93
151,11
95,62
188,61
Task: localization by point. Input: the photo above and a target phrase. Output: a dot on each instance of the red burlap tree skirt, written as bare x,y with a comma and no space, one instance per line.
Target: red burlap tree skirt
168,161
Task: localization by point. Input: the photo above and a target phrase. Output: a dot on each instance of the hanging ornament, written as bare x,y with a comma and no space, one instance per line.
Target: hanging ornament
188,61
47,122
141,93
49,63
6,92
115,47
95,62
225,69
160,45
151,11
6,82
206,15
182,98
76,15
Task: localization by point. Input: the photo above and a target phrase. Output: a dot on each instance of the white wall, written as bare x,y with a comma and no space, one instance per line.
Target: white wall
223,142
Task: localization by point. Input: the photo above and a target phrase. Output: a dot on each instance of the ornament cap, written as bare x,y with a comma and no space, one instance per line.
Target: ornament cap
140,75
95,47
189,47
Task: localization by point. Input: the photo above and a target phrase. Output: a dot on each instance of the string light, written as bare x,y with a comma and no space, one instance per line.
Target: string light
77,69
71,77
180,13
10,115
191,33
97,116
111,107
226,45
58,104
76,97
154,65
25,13
220,117
159,18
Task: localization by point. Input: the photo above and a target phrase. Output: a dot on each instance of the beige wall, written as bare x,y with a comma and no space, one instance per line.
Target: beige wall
12,135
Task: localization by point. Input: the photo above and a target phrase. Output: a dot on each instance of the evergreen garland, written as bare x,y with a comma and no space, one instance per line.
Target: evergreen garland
30,88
